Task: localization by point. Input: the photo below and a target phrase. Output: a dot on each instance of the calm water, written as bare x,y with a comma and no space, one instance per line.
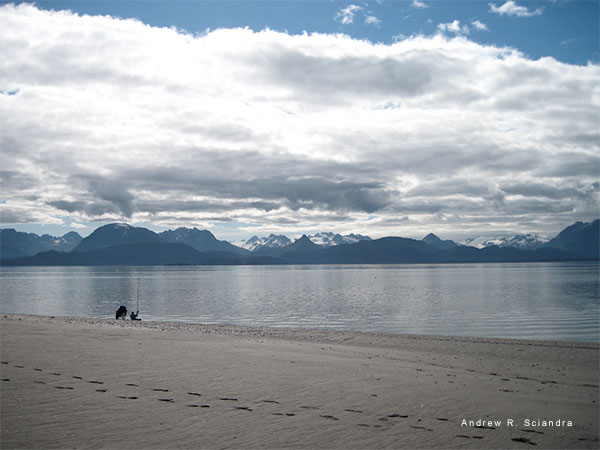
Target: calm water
538,300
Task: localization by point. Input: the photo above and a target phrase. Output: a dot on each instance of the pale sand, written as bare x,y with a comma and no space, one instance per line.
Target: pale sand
92,383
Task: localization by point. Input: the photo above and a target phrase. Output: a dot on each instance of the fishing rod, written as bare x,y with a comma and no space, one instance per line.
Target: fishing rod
137,303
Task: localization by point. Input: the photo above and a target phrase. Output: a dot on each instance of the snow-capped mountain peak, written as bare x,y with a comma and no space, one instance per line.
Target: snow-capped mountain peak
330,239
522,241
327,239
272,241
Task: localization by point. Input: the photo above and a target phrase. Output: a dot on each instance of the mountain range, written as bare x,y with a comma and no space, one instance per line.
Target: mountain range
16,244
123,244
326,239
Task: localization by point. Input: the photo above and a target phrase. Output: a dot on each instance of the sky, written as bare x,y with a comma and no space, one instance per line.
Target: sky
385,118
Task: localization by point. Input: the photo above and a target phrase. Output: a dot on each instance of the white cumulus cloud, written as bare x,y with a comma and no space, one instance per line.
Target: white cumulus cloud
479,26
372,20
419,4
346,15
510,8
453,27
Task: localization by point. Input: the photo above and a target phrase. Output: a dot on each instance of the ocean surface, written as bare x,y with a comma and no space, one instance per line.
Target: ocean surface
550,301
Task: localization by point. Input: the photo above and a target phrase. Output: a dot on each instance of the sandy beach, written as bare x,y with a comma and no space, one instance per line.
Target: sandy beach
93,383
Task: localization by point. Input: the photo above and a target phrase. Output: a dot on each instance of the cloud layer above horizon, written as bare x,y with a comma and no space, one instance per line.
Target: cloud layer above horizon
108,119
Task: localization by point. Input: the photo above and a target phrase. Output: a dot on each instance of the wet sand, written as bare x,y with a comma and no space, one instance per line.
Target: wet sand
93,383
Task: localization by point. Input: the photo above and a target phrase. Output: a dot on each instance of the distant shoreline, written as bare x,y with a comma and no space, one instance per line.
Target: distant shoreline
13,263
291,333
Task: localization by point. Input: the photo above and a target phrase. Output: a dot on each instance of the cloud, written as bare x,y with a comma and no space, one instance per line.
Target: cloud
453,27
456,28
510,8
479,26
419,4
117,120
77,226
372,20
346,15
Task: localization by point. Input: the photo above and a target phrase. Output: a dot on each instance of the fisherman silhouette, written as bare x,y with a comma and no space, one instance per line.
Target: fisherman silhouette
121,313
134,315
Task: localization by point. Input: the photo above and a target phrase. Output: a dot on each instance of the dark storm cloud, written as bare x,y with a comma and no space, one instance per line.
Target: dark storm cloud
159,206
91,209
276,191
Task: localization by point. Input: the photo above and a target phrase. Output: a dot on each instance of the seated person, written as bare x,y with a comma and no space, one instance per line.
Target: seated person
121,313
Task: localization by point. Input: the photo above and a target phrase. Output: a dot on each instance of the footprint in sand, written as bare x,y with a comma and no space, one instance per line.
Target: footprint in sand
39,382
19,367
131,384
78,378
5,379
56,374
38,370
418,427
160,390
127,398
327,416
309,407
100,390
531,431
199,406
96,382
524,440
270,401
353,410
231,399
63,387
245,408
167,400
403,416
